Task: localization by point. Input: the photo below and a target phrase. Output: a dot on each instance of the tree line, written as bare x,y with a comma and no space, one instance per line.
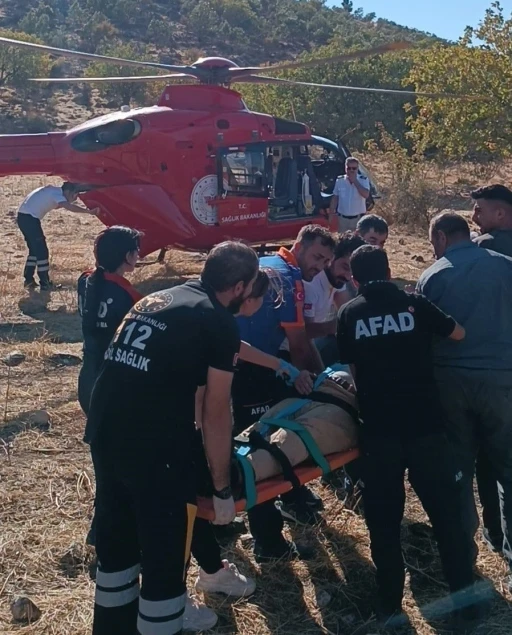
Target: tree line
477,67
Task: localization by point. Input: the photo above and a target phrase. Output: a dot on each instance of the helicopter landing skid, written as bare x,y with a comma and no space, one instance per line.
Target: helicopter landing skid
157,261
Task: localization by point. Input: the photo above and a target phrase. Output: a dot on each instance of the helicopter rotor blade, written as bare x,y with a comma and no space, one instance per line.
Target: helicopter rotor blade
259,79
92,57
118,80
345,57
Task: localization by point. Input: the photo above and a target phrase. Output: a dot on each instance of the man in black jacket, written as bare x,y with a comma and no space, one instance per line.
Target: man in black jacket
385,335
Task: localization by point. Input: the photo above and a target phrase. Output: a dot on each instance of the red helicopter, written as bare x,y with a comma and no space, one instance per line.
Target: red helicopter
199,167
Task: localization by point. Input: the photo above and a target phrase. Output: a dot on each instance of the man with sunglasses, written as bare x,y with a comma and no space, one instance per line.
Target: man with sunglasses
349,196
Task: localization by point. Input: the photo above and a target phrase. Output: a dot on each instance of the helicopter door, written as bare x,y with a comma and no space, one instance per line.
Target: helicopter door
295,190
243,186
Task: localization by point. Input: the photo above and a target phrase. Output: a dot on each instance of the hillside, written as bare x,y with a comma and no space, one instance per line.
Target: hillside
247,31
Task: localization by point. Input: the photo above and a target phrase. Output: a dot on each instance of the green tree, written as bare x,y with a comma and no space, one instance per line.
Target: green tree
333,112
471,128
122,92
160,31
18,65
39,21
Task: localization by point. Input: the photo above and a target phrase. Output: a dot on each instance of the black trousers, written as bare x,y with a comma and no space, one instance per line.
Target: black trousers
488,491
38,255
86,379
144,522
436,479
255,390
477,406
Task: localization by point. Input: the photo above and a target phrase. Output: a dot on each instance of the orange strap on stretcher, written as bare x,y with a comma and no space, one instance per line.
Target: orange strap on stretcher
273,487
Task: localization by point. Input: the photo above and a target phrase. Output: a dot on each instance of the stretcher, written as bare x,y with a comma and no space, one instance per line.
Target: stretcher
273,487
298,441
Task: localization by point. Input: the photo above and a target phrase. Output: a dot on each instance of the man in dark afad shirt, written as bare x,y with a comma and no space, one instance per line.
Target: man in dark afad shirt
475,378
493,214
385,334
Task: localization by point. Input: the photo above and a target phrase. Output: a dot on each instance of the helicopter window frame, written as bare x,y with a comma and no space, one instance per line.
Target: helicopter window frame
111,134
253,187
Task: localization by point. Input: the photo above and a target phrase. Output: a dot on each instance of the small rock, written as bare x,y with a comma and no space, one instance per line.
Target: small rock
407,253
14,359
401,241
24,610
65,359
323,598
39,419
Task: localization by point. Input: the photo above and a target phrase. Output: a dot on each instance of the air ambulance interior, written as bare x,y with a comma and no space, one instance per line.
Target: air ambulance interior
297,179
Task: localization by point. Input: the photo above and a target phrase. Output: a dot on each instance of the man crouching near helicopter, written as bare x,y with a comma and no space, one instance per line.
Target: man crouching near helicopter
30,214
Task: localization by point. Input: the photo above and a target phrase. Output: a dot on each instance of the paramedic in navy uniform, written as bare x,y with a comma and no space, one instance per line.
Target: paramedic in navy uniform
141,427
385,335
104,297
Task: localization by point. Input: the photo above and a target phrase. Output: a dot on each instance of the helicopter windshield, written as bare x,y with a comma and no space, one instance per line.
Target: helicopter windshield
101,137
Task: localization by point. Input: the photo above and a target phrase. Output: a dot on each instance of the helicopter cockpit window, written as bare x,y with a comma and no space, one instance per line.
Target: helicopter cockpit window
243,171
110,134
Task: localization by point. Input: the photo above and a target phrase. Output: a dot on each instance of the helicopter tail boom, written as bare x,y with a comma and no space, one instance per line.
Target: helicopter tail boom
28,153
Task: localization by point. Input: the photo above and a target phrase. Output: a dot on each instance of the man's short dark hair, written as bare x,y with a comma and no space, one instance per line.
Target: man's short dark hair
310,233
346,244
369,263
228,264
67,186
451,224
496,192
372,221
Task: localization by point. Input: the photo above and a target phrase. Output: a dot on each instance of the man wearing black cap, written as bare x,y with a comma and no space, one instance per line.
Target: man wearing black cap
385,335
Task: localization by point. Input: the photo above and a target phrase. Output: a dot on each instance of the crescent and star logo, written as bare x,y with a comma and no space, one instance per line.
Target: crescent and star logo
155,302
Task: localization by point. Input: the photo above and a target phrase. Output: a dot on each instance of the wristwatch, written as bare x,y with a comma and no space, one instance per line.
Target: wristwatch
224,493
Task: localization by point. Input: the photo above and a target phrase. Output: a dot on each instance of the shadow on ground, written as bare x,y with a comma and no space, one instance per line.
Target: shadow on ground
431,592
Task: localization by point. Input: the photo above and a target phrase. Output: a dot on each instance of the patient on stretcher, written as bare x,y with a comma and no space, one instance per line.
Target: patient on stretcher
298,430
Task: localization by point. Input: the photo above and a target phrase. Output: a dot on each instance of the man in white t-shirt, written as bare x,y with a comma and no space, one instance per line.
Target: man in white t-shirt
349,196
324,295
30,214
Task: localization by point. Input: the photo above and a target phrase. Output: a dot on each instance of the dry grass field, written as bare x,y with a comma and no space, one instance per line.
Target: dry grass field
47,481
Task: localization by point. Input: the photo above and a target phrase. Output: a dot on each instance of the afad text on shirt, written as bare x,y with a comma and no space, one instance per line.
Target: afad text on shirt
383,325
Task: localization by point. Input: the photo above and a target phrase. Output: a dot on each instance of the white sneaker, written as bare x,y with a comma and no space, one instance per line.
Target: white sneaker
228,580
198,617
